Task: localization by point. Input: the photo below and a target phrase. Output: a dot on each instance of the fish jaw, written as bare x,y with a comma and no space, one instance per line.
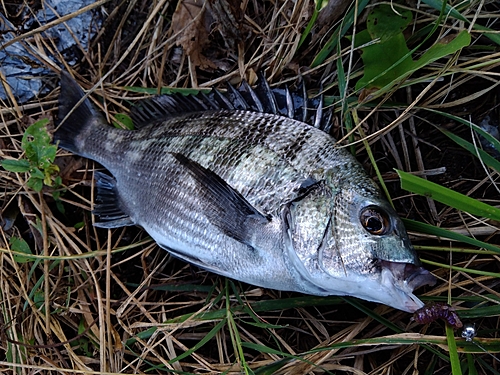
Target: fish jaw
400,279
385,286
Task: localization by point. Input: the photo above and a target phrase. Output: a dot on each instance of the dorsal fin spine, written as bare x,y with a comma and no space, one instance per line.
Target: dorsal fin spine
262,99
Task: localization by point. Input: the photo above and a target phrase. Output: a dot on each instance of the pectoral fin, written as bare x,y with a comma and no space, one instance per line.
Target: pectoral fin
225,207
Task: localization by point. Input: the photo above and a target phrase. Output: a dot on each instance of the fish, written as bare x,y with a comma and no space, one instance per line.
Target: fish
247,184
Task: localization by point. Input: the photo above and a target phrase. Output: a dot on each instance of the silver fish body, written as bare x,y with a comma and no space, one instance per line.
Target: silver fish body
259,197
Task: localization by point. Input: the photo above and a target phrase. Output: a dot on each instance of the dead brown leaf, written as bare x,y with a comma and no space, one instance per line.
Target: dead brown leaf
330,14
209,30
229,20
192,30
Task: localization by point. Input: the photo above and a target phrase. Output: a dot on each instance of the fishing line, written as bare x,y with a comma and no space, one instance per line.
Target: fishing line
469,333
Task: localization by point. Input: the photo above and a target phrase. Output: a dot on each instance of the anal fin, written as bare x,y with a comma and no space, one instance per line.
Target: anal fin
109,211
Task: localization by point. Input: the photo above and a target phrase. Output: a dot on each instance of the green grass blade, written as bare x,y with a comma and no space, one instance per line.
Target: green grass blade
372,158
165,90
233,331
491,370
385,322
451,11
272,368
444,233
447,196
462,121
495,142
262,306
202,342
488,160
491,345
480,312
438,5
338,33
354,302
470,364
318,6
268,350
461,269
452,346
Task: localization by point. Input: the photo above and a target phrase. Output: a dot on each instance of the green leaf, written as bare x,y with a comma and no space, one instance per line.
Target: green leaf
123,120
385,24
16,165
389,57
389,61
46,155
37,173
35,184
39,299
35,139
60,207
447,196
58,180
384,77
19,246
79,225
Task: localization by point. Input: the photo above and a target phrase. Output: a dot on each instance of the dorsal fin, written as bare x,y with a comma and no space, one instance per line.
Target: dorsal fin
251,97
302,95
280,101
222,101
266,95
289,103
236,98
319,113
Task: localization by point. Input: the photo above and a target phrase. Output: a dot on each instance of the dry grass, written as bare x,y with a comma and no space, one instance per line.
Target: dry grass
96,301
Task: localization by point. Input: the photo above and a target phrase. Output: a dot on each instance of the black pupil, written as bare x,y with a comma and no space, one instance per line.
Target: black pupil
373,224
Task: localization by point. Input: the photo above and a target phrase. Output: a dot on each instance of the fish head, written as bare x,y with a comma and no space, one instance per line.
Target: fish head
344,238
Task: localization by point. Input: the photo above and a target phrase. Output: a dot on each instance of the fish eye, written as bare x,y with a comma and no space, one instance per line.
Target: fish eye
375,220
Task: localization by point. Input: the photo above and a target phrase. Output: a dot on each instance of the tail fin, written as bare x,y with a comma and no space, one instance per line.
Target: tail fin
73,121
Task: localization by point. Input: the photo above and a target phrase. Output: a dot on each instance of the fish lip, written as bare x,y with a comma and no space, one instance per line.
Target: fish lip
406,277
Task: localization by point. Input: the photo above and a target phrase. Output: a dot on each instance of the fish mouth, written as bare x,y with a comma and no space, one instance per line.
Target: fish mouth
411,275
405,277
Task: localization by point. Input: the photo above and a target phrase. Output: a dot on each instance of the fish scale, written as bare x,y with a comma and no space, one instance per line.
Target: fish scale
263,198
224,154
